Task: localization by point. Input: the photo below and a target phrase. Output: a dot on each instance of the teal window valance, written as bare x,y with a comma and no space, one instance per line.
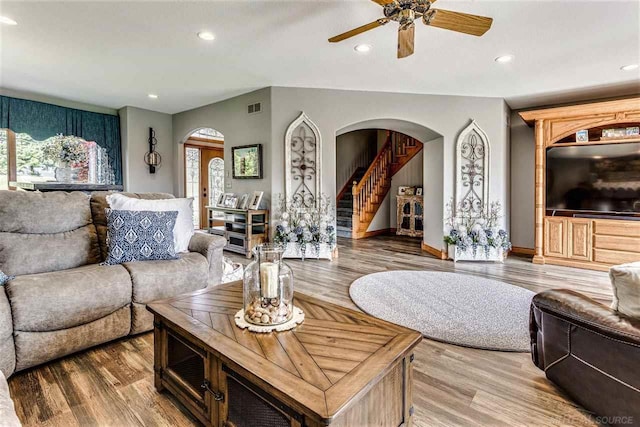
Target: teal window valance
42,121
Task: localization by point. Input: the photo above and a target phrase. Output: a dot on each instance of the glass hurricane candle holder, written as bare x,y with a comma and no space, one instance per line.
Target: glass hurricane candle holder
268,287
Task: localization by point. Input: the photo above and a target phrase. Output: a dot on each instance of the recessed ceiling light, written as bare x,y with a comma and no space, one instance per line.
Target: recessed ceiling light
504,59
362,48
153,96
629,67
206,35
7,20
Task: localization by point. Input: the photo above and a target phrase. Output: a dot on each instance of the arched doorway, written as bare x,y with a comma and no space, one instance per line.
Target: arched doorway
204,173
423,170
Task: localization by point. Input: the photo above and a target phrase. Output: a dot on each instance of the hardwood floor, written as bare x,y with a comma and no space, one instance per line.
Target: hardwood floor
112,385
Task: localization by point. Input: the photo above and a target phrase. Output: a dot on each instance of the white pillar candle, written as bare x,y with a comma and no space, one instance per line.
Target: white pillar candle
269,279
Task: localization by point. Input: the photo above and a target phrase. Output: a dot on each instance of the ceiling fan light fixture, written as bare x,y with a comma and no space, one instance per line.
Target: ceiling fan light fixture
629,67
503,59
362,48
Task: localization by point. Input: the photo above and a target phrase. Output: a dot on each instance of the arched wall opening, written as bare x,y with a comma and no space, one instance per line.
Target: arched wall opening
431,162
201,167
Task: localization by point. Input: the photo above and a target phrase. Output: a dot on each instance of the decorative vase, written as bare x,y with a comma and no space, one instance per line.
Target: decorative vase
63,173
268,287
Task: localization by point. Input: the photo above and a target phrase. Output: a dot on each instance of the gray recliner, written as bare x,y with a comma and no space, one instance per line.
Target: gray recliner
62,300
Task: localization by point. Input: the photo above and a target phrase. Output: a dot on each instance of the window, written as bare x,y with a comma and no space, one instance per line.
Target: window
59,158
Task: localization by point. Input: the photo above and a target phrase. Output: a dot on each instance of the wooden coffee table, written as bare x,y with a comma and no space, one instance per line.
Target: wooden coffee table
339,367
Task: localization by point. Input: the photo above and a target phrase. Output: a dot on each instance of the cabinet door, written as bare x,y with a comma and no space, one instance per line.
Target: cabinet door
245,404
555,237
579,238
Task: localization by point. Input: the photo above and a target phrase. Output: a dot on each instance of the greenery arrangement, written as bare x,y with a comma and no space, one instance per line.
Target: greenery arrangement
302,226
69,150
466,230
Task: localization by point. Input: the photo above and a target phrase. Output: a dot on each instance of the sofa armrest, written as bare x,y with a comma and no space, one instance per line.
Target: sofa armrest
8,417
586,313
588,350
211,247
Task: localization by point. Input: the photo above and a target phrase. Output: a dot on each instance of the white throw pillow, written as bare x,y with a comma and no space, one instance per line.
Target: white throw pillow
182,231
625,280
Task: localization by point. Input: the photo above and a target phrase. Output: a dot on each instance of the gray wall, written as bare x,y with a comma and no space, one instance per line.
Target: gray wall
353,150
334,110
239,128
522,182
134,126
434,207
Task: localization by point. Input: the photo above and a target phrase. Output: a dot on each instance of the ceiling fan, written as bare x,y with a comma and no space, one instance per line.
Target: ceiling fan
405,12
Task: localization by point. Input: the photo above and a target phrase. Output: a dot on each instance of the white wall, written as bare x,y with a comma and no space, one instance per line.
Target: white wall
134,126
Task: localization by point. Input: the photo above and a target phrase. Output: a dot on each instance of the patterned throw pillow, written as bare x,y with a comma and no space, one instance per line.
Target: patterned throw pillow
140,235
4,278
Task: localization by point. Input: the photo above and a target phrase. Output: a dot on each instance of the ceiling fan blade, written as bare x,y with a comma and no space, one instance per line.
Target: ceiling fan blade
359,30
458,21
383,2
406,37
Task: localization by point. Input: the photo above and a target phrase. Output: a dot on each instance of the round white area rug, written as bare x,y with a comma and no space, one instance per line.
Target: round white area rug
455,308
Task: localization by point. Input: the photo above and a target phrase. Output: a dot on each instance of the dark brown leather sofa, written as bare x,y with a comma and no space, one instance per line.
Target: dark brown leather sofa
591,352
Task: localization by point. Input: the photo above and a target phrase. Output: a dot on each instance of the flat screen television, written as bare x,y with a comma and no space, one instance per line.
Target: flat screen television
594,179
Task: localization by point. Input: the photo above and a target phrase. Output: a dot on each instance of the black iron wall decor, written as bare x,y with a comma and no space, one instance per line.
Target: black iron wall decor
152,158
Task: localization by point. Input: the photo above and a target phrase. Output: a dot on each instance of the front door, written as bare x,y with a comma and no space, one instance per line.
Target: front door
212,183
204,179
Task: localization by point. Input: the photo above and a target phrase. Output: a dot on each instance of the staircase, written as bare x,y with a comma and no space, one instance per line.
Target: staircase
364,197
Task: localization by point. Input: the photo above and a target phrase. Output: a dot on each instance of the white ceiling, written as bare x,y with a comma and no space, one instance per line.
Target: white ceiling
114,53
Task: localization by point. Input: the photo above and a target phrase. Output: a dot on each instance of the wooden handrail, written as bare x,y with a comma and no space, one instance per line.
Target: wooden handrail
374,185
385,147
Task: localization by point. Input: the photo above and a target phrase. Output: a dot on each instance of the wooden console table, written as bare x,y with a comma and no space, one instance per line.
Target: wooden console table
338,368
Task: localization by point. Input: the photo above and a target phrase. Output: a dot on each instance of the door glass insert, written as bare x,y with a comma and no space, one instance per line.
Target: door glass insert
192,166
216,183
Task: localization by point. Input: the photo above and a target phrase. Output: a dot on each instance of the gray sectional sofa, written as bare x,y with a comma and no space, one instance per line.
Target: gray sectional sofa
62,300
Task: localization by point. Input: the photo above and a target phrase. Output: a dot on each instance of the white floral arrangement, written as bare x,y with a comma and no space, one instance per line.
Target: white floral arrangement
465,230
302,226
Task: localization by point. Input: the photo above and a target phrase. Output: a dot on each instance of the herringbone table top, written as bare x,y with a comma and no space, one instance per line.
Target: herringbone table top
336,354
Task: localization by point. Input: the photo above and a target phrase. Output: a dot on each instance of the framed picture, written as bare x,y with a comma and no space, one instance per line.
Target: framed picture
220,200
255,200
419,191
247,161
410,191
582,136
230,200
244,202
402,190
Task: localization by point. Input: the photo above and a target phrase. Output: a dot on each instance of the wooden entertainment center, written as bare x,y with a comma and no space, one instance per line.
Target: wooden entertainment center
569,238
